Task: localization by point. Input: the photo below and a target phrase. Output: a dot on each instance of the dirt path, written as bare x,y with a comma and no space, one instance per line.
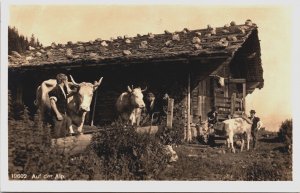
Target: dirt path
197,162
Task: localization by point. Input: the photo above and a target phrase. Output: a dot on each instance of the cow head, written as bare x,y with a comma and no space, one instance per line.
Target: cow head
136,97
85,91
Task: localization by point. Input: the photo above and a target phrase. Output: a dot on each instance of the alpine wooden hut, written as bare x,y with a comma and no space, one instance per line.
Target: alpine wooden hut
199,69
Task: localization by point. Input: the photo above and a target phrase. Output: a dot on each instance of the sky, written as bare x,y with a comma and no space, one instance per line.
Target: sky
60,24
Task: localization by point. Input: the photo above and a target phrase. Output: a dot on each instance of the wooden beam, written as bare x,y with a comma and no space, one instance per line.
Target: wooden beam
244,97
189,132
235,80
170,112
232,109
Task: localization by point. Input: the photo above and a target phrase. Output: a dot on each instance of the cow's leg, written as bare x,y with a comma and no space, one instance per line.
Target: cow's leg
132,118
138,116
228,143
231,142
242,145
80,128
248,141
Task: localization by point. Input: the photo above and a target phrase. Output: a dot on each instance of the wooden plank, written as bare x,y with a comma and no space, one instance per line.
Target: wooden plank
200,106
244,97
170,112
189,132
235,80
222,97
233,97
223,106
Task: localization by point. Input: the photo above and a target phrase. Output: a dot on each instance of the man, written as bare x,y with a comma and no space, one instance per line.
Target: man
212,116
58,101
156,107
256,125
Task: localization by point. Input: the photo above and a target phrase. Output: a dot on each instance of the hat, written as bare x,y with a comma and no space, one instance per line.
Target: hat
252,111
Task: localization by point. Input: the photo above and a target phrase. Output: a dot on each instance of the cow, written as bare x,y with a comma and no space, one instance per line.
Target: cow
237,126
129,105
78,104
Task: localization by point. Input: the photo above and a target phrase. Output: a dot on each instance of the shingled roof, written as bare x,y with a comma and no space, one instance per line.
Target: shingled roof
206,43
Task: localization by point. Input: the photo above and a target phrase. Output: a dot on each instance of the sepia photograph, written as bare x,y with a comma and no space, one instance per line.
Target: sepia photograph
148,92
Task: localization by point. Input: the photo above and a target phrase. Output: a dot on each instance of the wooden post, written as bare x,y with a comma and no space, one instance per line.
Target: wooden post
170,112
94,108
244,97
189,132
232,108
19,95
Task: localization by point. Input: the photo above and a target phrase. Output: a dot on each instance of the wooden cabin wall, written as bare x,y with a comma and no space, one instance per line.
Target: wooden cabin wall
201,100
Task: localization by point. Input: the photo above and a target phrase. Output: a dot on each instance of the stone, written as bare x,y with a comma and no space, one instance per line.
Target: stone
91,41
196,40
151,36
120,37
198,33
127,52
197,47
53,45
31,48
49,54
226,25
169,43
28,58
144,44
232,38
186,29
69,53
70,43
225,31
127,41
93,55
213,31
126,37
38,54
232,23
42,51
16,54
209,27
81,48
167,32
98,40
175,37
248,22
104,44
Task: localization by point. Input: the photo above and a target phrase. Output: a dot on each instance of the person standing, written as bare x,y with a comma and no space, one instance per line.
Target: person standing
256,125
58,102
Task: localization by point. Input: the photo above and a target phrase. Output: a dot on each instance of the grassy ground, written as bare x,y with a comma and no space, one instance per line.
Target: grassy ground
267,163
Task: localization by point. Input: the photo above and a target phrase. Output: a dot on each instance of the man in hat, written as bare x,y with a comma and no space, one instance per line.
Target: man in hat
58,101
256,125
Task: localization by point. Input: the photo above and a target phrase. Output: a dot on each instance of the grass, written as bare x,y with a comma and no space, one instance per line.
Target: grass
267,163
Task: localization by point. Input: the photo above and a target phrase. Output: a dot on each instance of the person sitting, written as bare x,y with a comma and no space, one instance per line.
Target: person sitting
212,116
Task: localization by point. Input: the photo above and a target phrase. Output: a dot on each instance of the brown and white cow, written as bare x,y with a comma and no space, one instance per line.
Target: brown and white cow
78,104
129,105
237,126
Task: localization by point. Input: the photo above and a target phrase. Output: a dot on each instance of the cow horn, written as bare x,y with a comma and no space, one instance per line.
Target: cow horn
129,89
73,81
96,84
144,89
